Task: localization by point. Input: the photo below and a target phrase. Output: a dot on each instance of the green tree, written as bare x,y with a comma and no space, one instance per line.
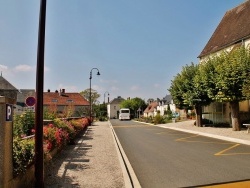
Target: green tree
228,74
134,104
188,92
101,111
94,95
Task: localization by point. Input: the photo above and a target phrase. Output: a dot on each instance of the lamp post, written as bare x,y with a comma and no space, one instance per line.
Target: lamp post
39,166
104,96
90,103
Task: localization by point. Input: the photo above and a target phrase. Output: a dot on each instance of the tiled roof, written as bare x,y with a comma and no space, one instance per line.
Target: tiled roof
52,98
5,85
233,28
151,107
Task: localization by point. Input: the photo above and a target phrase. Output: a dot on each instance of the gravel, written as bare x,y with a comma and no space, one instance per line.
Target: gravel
91,163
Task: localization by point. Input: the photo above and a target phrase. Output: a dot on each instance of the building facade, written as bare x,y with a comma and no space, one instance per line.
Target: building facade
233,31
113,107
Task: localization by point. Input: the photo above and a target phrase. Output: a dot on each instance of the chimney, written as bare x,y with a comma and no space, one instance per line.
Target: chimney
63,90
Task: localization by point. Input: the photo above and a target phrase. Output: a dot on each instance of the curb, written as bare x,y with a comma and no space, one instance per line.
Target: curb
130,178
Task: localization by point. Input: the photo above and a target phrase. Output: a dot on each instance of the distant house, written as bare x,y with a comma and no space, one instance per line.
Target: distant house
233,31
151,110
7,89
161,106
62,103
113,107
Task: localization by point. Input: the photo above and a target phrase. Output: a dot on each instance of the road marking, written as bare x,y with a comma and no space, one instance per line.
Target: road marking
223,152
244,184
169,133
181,139
185,139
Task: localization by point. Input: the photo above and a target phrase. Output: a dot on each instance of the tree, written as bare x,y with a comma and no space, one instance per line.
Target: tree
134,104
94,95
228,73
187,91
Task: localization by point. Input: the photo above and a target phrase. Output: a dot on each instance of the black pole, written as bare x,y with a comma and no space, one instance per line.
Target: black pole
39,164
90,103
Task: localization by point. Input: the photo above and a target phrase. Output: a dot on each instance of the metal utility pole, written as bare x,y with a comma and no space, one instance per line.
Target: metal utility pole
39,164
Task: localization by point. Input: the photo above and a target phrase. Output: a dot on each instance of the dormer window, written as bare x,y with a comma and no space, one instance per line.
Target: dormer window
69,100
54,100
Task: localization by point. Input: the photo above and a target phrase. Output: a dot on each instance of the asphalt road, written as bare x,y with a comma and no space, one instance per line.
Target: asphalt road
168,158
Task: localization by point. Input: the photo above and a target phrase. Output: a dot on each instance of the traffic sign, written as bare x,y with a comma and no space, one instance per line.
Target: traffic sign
30,101
9,112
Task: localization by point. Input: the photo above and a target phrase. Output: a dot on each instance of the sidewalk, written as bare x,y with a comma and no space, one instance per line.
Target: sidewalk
94,162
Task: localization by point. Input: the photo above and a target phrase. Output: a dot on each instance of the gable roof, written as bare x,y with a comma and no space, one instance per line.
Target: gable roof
52,98
233,28
151,107
167,99
117,100
5,85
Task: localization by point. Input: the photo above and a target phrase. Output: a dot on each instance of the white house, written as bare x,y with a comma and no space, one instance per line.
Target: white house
113,107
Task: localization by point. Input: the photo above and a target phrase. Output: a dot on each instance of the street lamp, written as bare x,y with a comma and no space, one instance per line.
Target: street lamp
104,96
90,103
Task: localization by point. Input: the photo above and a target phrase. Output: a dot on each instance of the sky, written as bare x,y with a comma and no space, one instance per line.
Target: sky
138,46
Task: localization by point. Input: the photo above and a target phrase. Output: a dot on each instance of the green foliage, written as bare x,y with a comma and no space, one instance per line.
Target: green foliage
54,135
23,124
134,104
158,119
23,154
187,90
229,73
94,95
100,111
168,113
66,126
49,115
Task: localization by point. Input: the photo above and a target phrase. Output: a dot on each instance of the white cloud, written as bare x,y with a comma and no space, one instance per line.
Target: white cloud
23,68
3,67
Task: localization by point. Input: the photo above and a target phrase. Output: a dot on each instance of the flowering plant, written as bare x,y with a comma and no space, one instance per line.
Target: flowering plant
54,137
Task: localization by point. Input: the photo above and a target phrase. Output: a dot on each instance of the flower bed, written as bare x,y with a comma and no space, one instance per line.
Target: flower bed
56,135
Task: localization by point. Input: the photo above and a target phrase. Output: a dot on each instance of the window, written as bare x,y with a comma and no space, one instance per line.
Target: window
69,100
54,100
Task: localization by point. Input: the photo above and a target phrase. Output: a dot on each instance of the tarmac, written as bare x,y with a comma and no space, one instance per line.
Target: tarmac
97,160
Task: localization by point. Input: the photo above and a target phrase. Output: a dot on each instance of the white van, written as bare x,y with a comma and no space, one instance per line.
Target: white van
124,114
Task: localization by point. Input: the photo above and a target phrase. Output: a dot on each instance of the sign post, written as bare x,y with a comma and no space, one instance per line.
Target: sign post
30,101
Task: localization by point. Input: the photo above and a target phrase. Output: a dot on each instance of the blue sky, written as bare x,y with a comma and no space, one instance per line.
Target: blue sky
137,45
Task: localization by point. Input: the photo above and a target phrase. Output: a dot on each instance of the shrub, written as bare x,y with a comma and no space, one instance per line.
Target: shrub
79,124
23,124
158,119
23,154
66,126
